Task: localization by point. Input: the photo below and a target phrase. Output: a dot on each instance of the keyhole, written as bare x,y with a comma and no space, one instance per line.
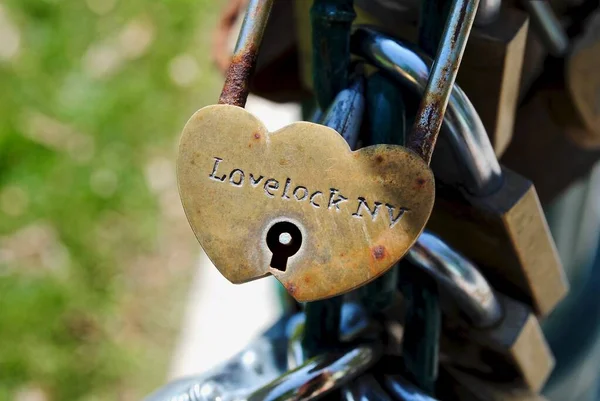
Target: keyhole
284,240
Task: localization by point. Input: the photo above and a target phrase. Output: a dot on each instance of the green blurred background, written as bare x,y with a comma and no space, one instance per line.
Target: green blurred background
95,253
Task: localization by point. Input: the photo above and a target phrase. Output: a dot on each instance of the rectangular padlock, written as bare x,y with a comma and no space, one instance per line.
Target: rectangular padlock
491,73
498,222
483,330
507,235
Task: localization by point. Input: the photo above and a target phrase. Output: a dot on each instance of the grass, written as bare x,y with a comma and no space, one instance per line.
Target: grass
94,250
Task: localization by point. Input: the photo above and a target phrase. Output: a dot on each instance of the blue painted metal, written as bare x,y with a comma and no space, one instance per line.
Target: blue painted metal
322,329
386,113
331,22
422,326
386,123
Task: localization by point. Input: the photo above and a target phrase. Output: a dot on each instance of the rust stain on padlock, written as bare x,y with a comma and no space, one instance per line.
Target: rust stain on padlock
299,204
378,252
236,87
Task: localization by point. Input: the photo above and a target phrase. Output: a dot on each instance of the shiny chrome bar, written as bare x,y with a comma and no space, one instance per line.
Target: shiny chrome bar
459,277
547,26
319,375
346,111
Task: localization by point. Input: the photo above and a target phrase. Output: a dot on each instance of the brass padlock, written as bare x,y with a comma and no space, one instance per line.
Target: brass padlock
298,203
507,235
554,161
499,336
492,82
497,220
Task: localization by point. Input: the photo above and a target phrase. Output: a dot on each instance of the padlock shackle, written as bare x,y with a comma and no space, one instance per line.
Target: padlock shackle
462,126
345,113
320,375
547,26
459,277
430,115
236,88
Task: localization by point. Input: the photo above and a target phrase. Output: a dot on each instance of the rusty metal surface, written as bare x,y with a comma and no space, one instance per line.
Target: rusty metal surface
441,79
236,87
358,212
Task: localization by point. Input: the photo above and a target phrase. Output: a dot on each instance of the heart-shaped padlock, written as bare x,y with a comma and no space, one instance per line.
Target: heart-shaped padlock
298,203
